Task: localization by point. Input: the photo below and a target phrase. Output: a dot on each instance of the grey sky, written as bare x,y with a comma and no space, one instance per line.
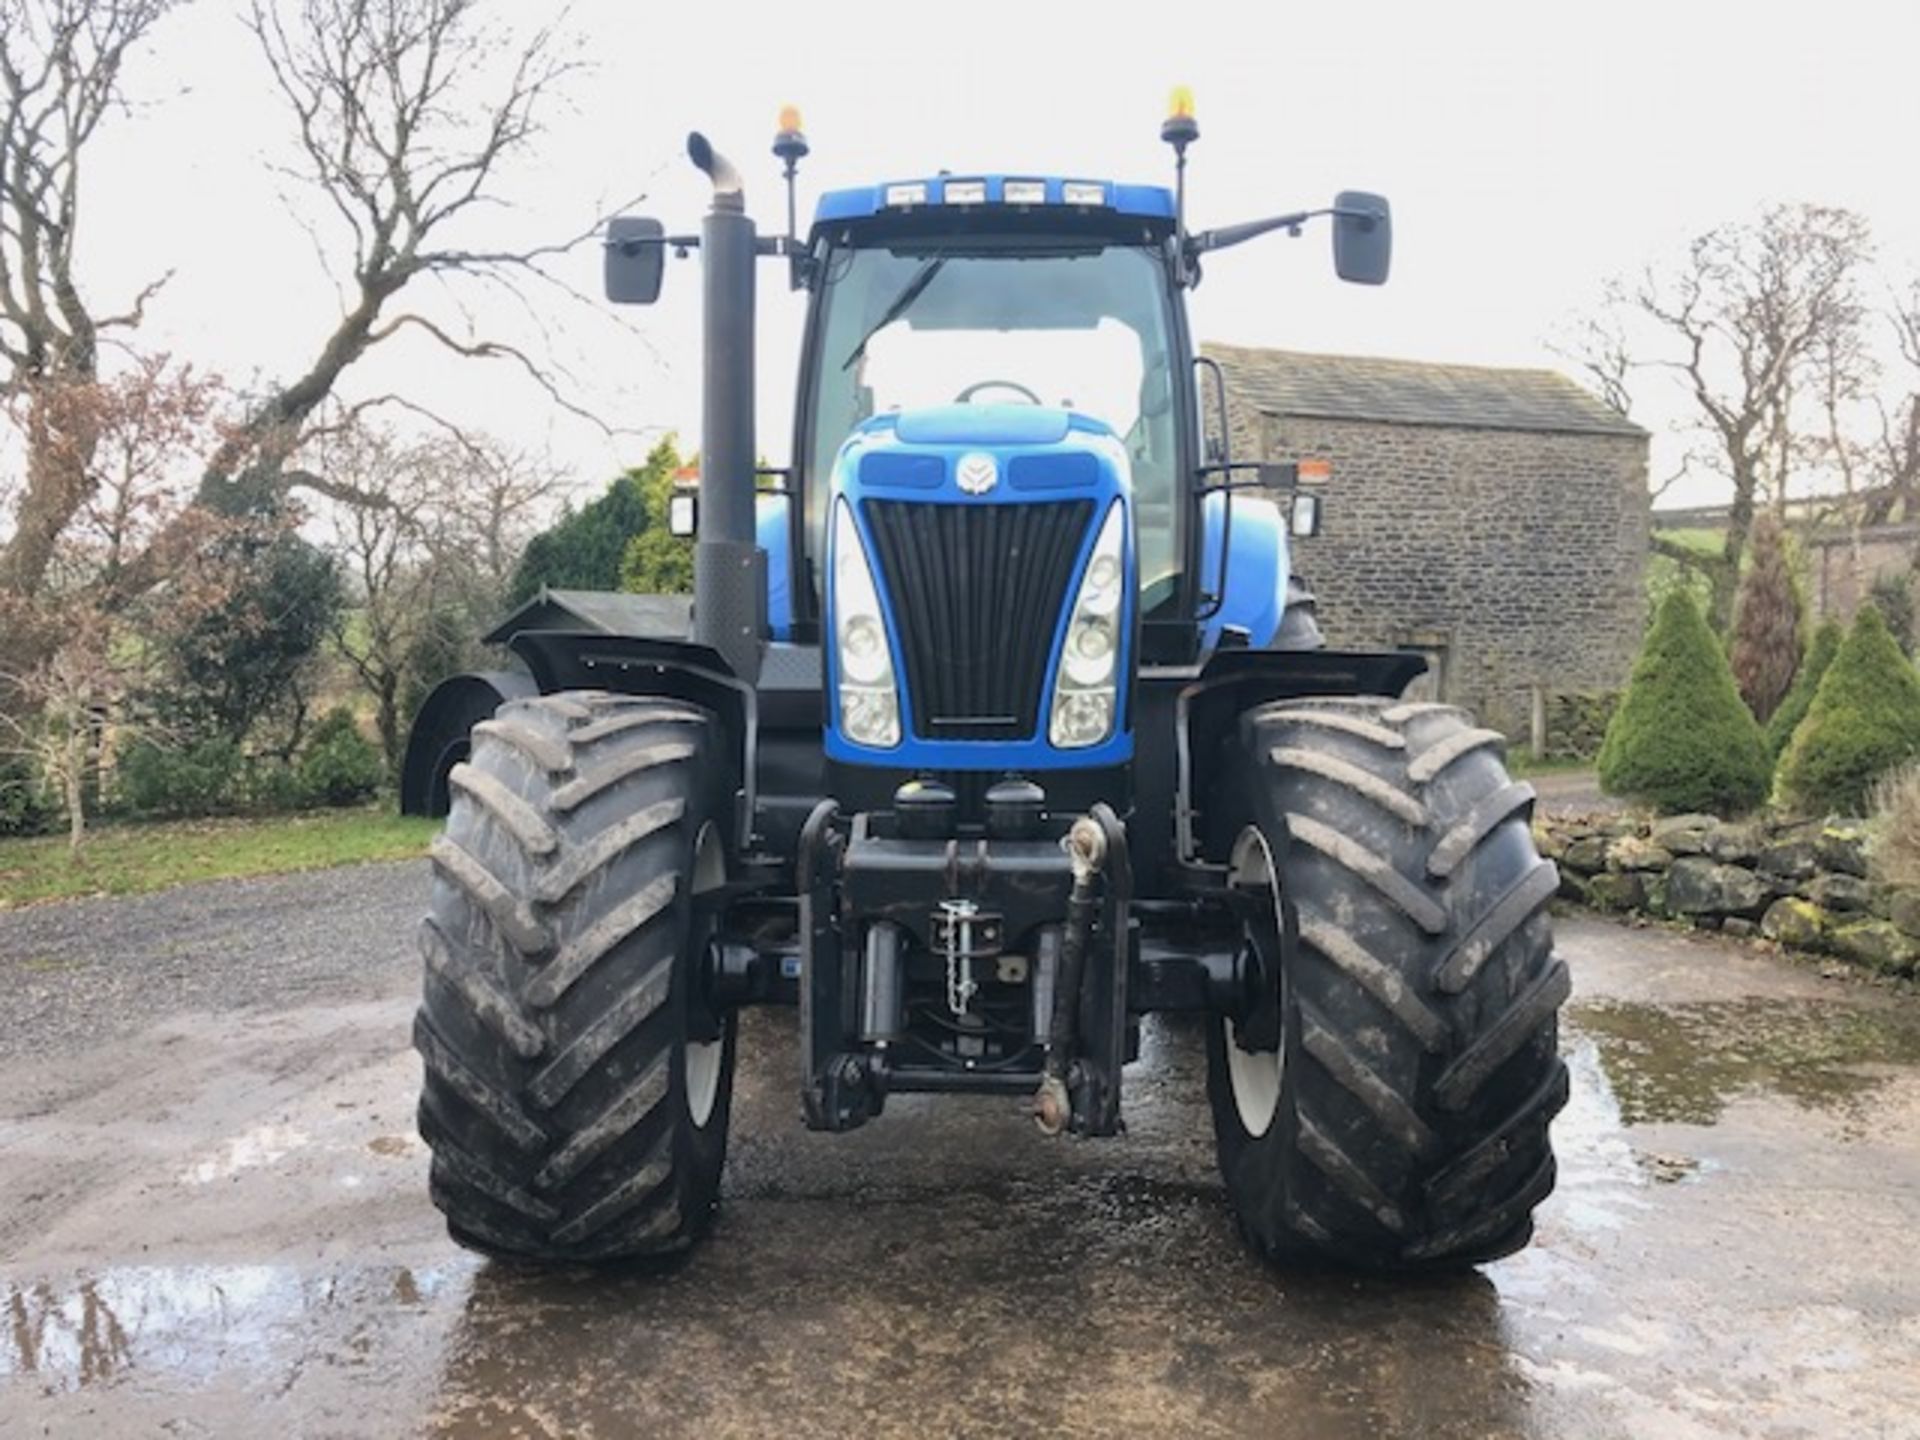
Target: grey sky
1529,150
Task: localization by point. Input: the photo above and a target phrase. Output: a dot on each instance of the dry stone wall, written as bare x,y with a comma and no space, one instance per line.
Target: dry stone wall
1803,884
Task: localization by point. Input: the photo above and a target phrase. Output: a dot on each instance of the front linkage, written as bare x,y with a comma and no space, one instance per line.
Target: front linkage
879,964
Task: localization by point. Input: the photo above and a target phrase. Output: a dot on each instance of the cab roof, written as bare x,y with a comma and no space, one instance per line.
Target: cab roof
979,195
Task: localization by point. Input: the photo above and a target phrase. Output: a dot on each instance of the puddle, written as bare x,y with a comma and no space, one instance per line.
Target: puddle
1602,1181
191,1322
1684,1063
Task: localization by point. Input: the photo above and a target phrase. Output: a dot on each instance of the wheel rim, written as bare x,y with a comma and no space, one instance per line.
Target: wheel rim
1254,1075
701,1062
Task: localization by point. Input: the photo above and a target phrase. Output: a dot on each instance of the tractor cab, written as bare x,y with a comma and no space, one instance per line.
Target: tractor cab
993,298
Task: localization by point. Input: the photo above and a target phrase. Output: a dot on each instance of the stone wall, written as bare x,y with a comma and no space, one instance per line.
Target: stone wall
1801,884
1514,558
1839,576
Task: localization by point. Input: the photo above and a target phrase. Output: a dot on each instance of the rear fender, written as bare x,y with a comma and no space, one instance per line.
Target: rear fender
438,740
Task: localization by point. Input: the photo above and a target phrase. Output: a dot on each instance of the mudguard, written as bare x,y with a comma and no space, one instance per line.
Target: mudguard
438,740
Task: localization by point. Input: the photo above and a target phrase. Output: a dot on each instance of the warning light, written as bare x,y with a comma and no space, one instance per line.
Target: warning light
790,144
1180,129
1314,472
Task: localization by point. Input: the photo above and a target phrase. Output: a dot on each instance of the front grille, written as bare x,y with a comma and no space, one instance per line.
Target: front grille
977,592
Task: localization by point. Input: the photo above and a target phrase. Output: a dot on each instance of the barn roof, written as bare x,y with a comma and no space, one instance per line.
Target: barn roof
1413,392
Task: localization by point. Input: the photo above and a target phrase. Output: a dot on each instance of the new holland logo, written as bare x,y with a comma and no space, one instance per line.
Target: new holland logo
976,474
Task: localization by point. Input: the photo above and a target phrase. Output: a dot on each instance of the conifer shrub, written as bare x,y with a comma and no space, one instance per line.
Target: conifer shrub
1806,681
1865,720
1892,595
1767,638
1683,739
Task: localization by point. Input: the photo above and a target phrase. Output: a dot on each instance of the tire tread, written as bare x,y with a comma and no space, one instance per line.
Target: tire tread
1425,991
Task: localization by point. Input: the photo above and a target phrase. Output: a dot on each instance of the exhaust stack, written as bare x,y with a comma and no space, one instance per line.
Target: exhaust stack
729,568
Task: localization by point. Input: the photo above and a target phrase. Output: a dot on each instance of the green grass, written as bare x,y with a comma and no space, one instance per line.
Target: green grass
1521,764
1706,542
133,859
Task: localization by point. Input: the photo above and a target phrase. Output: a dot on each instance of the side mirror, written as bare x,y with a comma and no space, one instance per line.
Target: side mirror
683,513
1362,237
1303,521
636,255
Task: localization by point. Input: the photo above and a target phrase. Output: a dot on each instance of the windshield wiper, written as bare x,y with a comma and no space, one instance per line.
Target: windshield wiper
911,292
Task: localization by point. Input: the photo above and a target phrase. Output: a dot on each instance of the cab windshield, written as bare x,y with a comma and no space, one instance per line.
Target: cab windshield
1086,329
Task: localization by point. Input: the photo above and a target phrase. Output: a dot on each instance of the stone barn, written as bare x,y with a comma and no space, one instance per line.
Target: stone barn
1495,520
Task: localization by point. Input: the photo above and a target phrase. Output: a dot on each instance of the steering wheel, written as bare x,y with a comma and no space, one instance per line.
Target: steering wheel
965,397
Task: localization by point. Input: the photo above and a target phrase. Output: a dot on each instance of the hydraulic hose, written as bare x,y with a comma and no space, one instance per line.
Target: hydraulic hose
1087,855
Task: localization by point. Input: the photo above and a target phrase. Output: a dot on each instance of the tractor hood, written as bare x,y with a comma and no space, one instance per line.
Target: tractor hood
983,425
1031,447
976,525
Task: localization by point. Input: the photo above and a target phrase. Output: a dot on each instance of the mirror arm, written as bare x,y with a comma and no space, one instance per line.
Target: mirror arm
680,244
800,261
1282,479
1228,235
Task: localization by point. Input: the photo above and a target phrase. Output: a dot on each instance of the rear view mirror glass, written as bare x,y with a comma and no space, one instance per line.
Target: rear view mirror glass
635,258
683,513
1304,520
1362,237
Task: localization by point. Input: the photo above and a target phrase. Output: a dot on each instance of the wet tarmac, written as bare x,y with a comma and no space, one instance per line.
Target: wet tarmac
217,1225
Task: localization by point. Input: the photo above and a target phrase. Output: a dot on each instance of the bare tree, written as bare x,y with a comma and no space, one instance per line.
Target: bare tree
1599,346
1896,452
428,543
376,538
90,656
485,502
1843,374
405,112
61,706
60,76
1740,323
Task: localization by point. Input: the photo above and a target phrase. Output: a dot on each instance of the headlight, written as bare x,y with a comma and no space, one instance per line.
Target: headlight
1085,692
863,650
869,699
1090,651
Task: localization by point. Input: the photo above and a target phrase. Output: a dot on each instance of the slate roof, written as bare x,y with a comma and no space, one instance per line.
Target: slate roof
1413,392
612,613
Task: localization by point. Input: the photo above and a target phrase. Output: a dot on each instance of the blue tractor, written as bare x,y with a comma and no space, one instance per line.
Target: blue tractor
1001,722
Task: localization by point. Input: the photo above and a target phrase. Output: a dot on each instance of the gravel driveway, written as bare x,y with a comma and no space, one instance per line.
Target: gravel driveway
93,970
213,1221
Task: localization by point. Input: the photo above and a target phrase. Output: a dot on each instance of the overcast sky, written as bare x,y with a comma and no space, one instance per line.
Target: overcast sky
1529,151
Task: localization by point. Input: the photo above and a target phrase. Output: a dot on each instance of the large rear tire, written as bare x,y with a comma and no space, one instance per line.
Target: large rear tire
1401,1122
577,1089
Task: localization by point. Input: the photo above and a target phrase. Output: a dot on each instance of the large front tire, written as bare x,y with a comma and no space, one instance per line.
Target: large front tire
576,1089
1401,1121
